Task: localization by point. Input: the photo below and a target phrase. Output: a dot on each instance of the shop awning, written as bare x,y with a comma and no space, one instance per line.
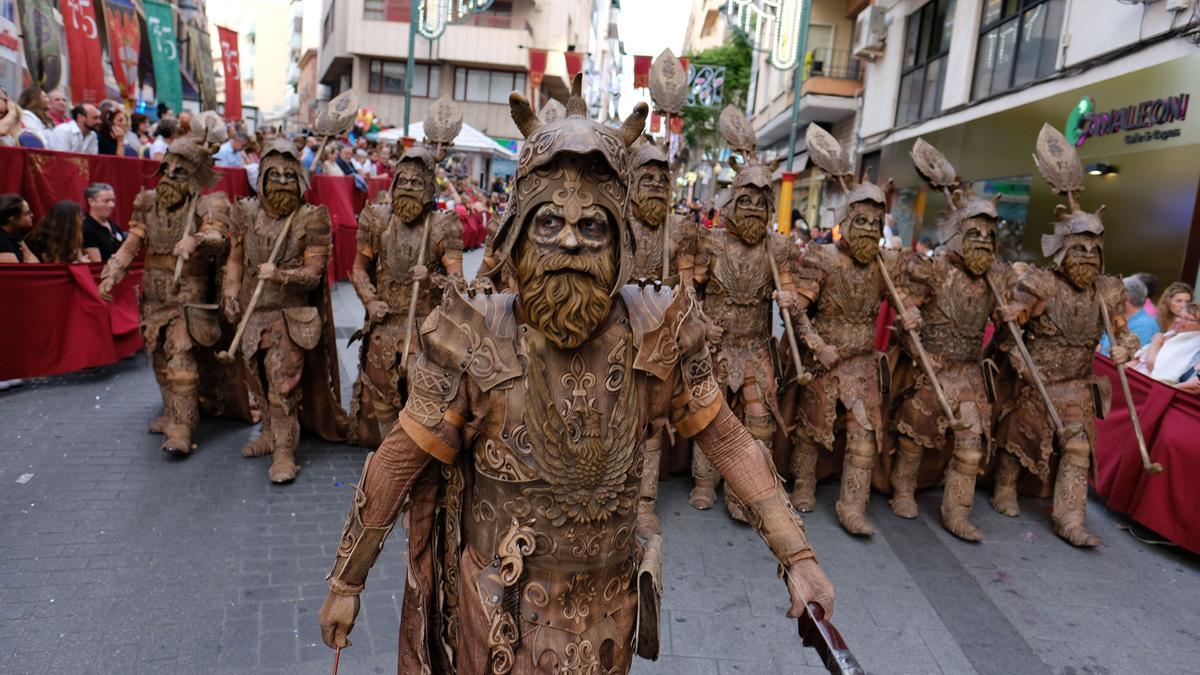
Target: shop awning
470,140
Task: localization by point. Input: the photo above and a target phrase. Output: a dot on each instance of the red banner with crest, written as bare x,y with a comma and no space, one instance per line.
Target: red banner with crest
124,43
233,73
83,46
641,71
537,69
574,63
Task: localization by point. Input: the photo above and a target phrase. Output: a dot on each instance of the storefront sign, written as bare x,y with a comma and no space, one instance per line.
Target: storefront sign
1084,122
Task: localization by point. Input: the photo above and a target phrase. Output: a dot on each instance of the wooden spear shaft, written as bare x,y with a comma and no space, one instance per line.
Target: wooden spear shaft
1036,376
801,375
227,356
1147,465
189,227
412,301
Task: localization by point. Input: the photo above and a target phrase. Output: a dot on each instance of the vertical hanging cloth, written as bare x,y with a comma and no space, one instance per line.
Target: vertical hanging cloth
124,43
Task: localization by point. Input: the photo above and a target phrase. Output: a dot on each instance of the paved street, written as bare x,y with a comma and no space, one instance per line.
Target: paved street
117,558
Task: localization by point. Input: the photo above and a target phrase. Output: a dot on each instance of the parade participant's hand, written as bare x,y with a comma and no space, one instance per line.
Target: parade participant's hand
337,618
267,271
106,286
807,583
828,356
910,319
186,246
420,273
715,332
378,309
1119,354
786,299
231,308
1010,313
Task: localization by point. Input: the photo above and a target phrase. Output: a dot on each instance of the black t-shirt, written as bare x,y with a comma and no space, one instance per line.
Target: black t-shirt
11,243
97,236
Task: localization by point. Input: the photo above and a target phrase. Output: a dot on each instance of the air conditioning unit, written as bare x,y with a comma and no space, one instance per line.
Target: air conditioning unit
870,32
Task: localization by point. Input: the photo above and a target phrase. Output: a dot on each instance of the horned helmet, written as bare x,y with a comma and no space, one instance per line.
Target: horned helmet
416,166
749,208
863,208
188,165
1077,244
968,227
649,181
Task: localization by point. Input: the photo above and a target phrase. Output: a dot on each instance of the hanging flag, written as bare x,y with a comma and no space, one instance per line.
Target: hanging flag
10,55
574,63
164,50
233,73
641,71
685,62
655,122
537,68
124,41
83,46
676,125
43,52
195,53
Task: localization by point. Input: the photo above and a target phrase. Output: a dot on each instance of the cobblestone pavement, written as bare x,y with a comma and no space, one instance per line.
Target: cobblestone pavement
117,558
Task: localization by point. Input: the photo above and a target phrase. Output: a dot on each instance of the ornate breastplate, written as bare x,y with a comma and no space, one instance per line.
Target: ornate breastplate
647,261
164,230
956,316
1062,340
400,244
257,246
848,306
738,294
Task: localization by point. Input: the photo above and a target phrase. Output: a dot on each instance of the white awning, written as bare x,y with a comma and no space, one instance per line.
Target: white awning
469,140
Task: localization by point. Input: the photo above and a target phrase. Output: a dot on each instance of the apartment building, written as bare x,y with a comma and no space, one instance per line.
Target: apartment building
978,79
364,46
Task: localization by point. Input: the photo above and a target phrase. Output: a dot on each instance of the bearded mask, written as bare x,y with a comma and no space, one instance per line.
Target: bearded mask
410,191
748,213
651,192
281,187
172,188
863,227
978,244
1083,260
186,169
566,265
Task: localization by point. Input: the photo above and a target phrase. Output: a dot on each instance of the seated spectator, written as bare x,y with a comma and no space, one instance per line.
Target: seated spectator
35,119
58,107
10,121
1172,356
78,135
59,237
1140,323
345,161
16,220
233,151
1171,302
167,130
101,234
329,163
110,135
1151,282
138,136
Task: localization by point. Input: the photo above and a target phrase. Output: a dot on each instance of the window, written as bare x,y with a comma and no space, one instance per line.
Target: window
486,86
927,42
387,77
1018,44
373,10
820,45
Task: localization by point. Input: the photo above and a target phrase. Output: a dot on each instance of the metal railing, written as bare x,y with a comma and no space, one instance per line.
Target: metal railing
834,63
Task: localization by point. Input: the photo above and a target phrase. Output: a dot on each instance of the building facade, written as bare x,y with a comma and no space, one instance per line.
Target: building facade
978,78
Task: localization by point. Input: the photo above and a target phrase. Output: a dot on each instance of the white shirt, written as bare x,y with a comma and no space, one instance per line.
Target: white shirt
35,126
68,137
158,147
365,167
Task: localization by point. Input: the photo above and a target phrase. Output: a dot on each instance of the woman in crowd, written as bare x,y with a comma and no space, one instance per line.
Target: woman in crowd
35,116
329,163
10,120
1172,356
168,129
110,137
1171,303
138,136
16,220
101,234
59,237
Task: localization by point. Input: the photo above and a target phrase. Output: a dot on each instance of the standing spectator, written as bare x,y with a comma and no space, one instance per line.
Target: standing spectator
233,151
168,129
16,220
1171,303
35,116
59,237
110,136
59,108
10,121
344,160
1140,323
101,234
78,135
1151,282
138,136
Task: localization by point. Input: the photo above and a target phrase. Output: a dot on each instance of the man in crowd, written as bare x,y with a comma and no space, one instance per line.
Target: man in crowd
79,133
59,108
539,402
176,222
291,317
385,275
233,152
102,236
167,130
1140,323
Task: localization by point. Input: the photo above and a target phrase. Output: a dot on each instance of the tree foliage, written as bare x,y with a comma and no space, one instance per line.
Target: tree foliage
701,127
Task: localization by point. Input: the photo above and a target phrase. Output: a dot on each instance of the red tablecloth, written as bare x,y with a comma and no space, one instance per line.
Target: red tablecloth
1169,502
55,321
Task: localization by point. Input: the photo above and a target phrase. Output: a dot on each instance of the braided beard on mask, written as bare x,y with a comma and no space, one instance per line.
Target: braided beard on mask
750,228
864,246
653,210
406,207
565,297
170,194
977,258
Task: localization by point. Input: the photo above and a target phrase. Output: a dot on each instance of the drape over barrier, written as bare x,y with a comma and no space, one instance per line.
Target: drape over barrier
1169,502
55,321
344,202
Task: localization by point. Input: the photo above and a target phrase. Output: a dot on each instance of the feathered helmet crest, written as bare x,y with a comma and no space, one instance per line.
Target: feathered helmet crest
1059,164
573,134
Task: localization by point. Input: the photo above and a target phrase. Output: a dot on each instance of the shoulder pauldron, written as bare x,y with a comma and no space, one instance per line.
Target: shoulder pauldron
668,328
474,336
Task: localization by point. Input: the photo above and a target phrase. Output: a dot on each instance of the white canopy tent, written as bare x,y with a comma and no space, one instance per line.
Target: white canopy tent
470,140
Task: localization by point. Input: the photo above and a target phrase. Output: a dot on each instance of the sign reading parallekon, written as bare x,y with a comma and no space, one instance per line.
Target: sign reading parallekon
1138,120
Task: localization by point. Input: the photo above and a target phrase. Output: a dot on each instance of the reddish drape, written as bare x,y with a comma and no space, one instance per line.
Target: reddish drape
537,68
83,46
1167,503
574,63
233,73
338,195
641,71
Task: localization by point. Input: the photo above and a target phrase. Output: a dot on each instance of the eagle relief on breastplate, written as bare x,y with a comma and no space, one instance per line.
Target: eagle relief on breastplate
1063,338
164,229
848,306
955,321
738,295
400,244
647,262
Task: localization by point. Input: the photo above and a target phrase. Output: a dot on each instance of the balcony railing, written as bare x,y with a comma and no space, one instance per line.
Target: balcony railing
837,64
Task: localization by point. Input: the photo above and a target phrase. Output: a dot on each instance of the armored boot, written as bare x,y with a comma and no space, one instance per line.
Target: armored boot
856,482
804,470
1070,493
285,436
705,478
158,424
904,478
181,412
262,444
647,521
959,494
1004,493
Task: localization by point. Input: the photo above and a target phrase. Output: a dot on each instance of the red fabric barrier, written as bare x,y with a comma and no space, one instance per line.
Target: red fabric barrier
1167,503
344,202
